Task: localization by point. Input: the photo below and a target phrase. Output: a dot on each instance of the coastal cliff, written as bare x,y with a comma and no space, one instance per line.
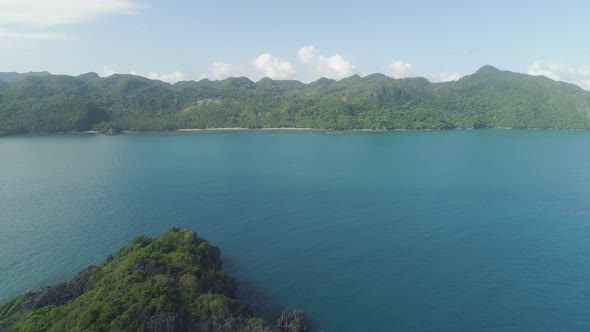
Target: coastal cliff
173,282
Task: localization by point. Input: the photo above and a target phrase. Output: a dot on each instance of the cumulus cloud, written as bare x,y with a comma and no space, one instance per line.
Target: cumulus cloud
561,72
219,70
399,69
334,66
273,67
544,68
106,71
446,77
167,77
307,54
173,77
56,12
443,77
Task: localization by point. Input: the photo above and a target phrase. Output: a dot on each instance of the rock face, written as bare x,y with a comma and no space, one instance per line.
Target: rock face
292,321
111,131
58,294
173,282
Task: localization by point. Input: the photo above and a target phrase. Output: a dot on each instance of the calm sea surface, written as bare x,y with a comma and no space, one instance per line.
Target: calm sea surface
462,230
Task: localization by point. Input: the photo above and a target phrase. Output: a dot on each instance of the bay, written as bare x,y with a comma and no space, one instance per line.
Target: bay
375,231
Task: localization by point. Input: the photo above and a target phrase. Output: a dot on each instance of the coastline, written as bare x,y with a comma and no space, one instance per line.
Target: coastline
186,130
228,129
240,128
190,130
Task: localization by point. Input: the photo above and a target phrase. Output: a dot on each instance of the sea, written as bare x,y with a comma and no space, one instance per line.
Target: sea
467,230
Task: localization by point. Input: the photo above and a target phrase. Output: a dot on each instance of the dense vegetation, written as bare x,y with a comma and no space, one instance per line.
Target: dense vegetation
488,98
173,282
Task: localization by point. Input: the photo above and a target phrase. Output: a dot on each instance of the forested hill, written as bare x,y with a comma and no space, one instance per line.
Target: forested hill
487,98
10,77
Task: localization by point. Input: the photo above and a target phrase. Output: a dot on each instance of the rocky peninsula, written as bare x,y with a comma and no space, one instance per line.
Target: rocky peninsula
172,282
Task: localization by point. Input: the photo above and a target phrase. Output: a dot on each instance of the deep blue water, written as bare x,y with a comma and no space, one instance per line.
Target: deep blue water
460,230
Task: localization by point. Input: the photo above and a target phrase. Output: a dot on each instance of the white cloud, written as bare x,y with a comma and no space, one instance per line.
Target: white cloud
561,72
273,67
106,71
21,19
8,34
168,77
550,70
446,77
307,54
56,12
400,69
443,77
219,70
173,77
334,66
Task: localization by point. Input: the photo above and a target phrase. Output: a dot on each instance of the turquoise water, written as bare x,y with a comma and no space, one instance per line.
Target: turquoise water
459,230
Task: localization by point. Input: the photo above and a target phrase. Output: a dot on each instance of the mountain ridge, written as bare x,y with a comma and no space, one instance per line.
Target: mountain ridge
91,74
13,76
490,97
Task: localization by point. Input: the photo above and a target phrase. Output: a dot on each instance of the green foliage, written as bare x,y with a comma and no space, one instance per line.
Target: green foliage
171,274
140,241
488,98
255,321
208,305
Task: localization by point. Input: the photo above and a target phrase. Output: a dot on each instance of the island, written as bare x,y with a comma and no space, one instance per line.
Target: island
172,282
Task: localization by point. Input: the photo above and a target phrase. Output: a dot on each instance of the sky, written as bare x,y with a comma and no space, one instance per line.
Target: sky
303,40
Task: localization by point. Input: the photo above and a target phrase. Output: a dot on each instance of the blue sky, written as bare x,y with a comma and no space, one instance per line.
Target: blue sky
304,40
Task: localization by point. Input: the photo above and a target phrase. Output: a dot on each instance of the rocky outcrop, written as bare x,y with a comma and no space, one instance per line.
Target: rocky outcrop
58,294
173,282
292,321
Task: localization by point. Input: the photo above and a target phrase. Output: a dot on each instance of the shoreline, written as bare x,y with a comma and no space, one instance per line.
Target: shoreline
190,130
187,130
228,129
240,128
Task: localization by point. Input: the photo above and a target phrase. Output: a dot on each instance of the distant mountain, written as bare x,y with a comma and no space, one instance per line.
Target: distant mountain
487,98
10,77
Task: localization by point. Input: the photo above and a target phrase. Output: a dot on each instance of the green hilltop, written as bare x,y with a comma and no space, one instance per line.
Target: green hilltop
173,282
10,77
488,98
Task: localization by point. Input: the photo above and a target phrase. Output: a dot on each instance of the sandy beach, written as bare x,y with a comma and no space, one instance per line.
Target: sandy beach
239,128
